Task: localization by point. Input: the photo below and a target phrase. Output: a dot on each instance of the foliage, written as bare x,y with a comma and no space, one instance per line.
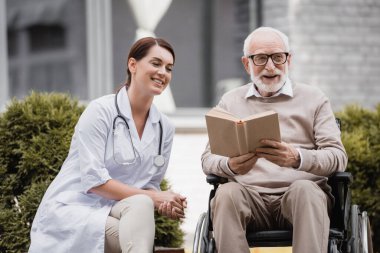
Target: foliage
168,232
35,135
361,138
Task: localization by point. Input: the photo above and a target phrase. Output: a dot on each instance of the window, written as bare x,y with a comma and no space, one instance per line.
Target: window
46,37
12,42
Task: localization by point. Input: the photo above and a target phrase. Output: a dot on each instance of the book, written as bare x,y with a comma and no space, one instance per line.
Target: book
230,136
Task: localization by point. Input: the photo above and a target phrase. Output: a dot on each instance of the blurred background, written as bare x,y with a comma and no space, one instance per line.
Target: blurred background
80,47
51,45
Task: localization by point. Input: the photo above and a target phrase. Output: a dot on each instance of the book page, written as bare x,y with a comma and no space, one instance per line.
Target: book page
222,136
229,136
259,115
242,138
220,113
264,127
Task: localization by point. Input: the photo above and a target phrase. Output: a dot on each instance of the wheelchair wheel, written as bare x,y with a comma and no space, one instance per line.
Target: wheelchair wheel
360,231
333,247
198,234
207,240
355,246
365,233
203,239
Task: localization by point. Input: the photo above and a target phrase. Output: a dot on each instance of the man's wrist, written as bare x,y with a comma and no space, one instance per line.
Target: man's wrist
229,168
298,158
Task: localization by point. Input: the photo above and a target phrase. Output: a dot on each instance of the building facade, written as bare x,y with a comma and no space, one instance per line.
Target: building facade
335,46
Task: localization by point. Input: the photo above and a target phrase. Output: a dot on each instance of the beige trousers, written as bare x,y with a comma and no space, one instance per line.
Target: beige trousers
130,226
304,206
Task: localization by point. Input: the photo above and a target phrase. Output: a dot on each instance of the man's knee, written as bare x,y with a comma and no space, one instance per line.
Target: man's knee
228,194
307,191
228,190
305,188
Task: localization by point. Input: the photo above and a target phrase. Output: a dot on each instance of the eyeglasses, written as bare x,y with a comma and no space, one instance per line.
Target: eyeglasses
262,59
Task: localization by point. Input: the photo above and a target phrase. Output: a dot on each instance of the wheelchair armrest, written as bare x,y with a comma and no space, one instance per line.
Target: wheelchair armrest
216,180
340,189
344,177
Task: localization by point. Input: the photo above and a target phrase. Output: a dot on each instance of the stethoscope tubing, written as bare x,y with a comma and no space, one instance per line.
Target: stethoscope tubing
119,115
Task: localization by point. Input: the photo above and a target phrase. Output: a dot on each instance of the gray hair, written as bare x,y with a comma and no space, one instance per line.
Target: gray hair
249,38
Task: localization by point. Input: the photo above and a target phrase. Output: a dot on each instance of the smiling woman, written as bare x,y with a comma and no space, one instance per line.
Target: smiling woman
106,192
151,74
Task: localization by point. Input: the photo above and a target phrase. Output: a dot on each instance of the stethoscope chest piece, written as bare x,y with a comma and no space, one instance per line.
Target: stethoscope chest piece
159,160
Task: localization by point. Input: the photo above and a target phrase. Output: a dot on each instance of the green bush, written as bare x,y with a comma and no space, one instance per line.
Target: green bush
35,136
167,230
361,138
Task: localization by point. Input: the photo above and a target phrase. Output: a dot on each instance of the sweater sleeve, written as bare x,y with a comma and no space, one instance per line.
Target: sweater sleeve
329,156
215,164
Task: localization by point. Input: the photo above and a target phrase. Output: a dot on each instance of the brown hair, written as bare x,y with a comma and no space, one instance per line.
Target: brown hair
140,49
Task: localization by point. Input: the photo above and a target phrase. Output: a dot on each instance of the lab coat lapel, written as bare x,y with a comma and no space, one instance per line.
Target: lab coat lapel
124,104
152,128
125,110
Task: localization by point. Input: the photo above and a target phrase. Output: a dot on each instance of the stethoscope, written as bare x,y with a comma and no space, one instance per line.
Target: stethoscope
158,160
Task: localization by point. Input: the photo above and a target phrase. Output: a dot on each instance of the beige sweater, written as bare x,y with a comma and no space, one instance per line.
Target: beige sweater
306,121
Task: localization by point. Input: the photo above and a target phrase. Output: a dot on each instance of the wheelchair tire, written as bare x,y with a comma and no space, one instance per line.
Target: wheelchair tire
211,246
208,240
355,240
205,235
365,235
333,247
360,231
198,234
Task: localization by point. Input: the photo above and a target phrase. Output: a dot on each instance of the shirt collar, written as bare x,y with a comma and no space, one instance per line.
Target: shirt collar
286,89
125,107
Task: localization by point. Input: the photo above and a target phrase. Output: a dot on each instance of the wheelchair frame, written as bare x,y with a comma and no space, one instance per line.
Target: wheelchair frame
349,227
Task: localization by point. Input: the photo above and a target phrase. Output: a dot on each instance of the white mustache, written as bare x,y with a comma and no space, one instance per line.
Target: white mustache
274,73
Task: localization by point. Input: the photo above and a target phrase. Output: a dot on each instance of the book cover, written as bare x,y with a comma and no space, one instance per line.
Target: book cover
230,136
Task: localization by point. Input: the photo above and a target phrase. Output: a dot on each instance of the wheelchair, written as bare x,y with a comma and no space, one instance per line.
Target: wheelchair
349,226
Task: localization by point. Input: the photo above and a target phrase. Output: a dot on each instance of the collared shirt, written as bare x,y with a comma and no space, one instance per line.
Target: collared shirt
286,89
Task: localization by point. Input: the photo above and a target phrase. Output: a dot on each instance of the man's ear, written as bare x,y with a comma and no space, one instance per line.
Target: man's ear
132,65
289,60
245,62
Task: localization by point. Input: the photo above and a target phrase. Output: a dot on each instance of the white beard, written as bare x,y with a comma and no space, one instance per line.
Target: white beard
268,88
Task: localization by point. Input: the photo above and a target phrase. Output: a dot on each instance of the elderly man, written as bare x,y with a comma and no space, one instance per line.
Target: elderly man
283,185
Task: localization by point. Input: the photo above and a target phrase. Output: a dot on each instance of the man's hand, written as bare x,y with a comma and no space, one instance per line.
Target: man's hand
242,164
280,153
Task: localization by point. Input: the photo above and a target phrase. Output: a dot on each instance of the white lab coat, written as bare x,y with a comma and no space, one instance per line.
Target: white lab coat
69,218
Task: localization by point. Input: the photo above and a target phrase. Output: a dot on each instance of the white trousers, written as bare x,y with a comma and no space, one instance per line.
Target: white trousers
130,226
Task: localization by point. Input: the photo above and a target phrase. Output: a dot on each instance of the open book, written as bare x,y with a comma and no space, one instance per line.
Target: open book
230,136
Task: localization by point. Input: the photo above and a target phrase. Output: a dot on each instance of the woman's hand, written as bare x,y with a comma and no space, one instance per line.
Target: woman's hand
170,204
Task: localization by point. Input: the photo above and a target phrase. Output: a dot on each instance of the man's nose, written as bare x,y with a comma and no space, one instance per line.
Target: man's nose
270,65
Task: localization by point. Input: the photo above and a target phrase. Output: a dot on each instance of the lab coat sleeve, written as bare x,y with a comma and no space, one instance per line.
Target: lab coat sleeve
166,150
92,132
